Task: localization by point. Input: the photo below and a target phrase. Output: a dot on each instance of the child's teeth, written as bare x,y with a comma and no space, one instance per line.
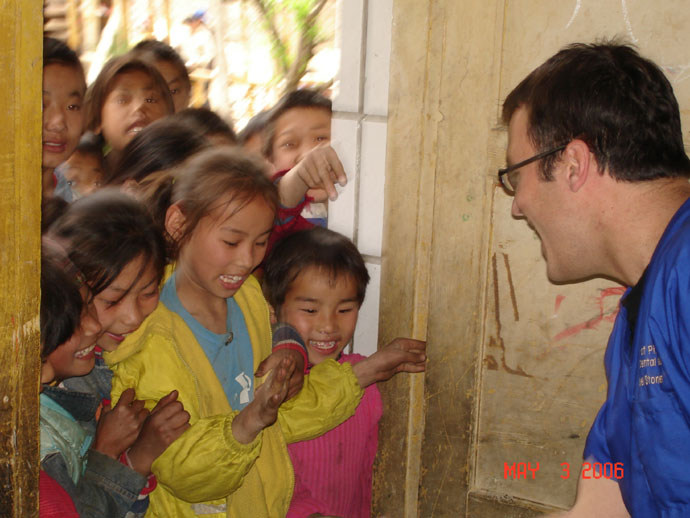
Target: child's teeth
231,278
84,352
323,345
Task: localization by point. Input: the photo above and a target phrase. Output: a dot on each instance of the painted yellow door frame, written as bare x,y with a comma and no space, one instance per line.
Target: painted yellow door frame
21,61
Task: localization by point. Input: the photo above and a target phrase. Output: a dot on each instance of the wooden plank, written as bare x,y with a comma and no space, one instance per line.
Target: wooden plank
488,505
20,163
404,282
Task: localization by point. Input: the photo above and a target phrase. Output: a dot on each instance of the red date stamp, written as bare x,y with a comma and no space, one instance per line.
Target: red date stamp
590,470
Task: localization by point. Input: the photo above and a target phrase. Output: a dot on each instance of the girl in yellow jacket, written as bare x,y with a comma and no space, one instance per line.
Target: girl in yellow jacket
208,337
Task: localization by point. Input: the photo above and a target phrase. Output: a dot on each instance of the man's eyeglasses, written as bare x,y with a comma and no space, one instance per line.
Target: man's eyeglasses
509,175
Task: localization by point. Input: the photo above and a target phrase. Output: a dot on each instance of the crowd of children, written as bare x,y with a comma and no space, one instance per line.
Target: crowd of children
174,382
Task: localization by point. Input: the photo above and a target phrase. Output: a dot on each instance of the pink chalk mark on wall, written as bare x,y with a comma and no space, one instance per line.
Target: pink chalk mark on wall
592,323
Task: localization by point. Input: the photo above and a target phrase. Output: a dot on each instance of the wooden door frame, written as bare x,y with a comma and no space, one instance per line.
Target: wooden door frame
21,42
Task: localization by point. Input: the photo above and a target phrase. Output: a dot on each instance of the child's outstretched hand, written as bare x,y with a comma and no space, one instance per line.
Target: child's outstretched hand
296,380
263,410
118,428
317,172
166,422
401,355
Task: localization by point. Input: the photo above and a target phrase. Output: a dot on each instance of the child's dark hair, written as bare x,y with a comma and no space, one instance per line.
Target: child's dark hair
255,125
90,144
161,145
56,52
106,231
52,207
212,178
103,85
61,302
304,98
154,50
207,122
316,247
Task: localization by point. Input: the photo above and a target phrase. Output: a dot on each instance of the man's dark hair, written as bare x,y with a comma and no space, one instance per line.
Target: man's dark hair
304,98
316,247
619,103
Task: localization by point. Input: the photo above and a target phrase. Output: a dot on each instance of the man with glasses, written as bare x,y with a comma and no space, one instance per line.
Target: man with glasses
597,166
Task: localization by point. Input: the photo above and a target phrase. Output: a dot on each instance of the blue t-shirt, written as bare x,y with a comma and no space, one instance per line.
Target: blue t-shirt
232,360
645,421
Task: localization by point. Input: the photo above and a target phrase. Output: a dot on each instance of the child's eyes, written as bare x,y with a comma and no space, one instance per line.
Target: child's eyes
345,310
230,244
151,100
174,91
74,107
261,244
151,295
323,138
308,310
110,303
287,144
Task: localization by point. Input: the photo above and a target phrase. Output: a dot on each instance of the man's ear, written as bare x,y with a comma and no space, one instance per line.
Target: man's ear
175,221
578,160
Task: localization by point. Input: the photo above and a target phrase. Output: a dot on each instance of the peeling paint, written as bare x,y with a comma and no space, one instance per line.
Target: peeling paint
491,363
499,339
513,299
593,323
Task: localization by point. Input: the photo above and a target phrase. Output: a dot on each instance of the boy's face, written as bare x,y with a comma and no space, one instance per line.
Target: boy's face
324,311
133,103
297,132
76,356
179,89
63,120
83,173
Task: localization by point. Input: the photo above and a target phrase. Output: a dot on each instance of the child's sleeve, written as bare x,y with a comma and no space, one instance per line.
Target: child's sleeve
330,395
183,468
107,488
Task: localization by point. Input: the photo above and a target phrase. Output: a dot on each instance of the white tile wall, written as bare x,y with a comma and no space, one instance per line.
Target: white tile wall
371,184
378,57
359,133
366,334
345,141
350,36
